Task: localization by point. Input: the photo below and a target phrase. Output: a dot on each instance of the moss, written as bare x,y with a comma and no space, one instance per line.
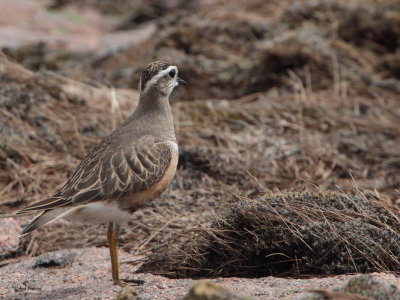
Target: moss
60,259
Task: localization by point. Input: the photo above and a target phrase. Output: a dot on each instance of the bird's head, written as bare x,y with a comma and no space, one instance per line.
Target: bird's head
161,77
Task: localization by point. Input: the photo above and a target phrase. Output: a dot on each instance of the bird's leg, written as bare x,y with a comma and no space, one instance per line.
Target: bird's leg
112,239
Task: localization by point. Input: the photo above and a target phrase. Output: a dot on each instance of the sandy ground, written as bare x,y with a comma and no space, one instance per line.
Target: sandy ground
89,277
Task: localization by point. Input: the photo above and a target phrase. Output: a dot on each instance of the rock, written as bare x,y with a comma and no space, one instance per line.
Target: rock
208,290
127,293
60,259
332,295
9,240
361,287
368,286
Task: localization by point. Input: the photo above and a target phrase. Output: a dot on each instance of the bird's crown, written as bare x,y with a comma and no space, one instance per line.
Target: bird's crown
151,70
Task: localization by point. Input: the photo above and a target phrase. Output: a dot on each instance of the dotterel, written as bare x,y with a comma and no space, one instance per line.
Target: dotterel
126,170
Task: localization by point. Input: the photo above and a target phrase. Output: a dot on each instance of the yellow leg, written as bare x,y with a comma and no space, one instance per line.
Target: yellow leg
112,239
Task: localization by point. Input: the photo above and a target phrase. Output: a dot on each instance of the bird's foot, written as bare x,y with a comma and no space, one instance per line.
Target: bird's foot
128,281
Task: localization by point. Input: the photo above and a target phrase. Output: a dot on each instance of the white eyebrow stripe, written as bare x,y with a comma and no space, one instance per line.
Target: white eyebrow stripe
154,79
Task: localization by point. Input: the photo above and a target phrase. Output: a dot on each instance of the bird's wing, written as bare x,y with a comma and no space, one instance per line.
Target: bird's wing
107,173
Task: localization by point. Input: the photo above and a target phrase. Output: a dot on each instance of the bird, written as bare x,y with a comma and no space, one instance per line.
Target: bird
127,170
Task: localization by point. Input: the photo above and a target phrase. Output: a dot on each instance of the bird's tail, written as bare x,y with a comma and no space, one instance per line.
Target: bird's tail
43,218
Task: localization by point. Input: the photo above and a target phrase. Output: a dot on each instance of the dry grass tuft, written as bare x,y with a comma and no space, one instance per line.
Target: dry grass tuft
289,234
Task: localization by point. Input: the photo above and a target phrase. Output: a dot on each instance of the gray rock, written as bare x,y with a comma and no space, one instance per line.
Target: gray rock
332,295
59,259
127,293
9,241
368,286
208,290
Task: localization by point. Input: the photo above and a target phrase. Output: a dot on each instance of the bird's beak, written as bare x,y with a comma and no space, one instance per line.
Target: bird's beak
181,81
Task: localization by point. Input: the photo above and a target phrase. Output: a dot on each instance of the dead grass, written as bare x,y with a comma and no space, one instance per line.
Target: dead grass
288,234
317,142
319,115
36,110
232,51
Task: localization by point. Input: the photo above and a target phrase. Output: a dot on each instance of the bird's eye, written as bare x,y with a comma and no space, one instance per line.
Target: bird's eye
172,73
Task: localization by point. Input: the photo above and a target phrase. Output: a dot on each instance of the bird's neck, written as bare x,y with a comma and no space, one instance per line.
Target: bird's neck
154,108
154,103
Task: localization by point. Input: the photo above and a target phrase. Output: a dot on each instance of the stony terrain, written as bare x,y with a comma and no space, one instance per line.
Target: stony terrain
283,98
83,277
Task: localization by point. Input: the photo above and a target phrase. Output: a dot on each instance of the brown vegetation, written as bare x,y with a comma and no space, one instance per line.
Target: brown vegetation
316,107
289,234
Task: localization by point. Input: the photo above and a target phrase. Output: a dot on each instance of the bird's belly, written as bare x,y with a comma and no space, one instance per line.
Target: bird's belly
98,213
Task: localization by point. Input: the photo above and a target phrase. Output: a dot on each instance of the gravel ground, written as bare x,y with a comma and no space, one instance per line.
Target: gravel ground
89,277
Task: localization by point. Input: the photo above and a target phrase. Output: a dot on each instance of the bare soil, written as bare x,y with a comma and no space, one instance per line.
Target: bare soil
87,278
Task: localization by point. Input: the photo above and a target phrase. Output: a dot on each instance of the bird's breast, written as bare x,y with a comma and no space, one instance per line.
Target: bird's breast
142,198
